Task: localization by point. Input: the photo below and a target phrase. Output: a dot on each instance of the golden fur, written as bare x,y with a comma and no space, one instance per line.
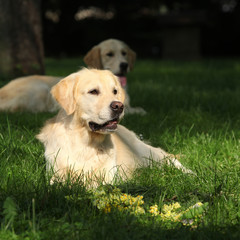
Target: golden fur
85,135
109,54
32,93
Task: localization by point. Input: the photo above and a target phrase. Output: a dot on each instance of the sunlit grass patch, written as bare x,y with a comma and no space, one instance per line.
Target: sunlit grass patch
109,199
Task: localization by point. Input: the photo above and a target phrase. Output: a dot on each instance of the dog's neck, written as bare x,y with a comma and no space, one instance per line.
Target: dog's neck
81,130
97,138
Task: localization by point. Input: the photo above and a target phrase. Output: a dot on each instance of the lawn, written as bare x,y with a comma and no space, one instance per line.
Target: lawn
193,110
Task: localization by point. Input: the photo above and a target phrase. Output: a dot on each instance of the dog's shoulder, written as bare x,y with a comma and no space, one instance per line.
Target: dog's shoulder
47,130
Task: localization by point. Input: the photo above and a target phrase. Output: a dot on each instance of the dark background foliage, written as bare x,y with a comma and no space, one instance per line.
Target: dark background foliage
208,28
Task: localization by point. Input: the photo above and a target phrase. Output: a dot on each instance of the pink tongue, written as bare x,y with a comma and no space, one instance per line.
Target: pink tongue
112,123
123,81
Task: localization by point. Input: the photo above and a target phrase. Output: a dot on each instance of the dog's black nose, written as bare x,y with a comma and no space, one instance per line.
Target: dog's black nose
123,66
117,107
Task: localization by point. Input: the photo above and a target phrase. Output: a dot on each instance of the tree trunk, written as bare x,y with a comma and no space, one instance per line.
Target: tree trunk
21,46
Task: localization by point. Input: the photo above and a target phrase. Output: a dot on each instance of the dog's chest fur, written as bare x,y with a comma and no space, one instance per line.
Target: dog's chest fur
74,150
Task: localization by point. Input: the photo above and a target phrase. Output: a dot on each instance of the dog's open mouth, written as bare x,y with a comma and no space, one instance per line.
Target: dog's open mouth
108,126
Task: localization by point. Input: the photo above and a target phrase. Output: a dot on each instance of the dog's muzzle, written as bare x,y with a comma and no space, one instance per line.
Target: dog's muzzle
111,125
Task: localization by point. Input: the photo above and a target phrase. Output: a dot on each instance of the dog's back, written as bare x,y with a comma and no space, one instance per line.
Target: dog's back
16,94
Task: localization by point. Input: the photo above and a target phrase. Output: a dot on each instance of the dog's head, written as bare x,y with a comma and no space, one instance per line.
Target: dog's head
113,55
95,97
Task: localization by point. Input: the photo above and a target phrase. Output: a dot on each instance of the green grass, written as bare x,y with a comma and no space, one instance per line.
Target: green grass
193,110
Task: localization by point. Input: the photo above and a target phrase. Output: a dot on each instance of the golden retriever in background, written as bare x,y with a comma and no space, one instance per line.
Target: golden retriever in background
119,58
32,93
85,136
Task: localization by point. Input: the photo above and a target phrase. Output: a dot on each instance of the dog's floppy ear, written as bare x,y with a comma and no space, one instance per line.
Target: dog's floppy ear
63,92
131,58
93,58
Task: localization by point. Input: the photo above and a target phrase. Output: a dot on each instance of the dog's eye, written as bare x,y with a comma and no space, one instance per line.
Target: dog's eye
115,91
124,53
94,92
110,54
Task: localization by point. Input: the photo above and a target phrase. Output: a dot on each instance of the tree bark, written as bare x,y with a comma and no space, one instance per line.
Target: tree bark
21,45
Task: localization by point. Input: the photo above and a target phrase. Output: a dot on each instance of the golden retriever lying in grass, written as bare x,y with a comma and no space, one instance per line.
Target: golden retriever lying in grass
85,135
32,93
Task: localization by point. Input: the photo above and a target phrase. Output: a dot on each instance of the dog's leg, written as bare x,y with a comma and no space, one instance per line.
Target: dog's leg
145,152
